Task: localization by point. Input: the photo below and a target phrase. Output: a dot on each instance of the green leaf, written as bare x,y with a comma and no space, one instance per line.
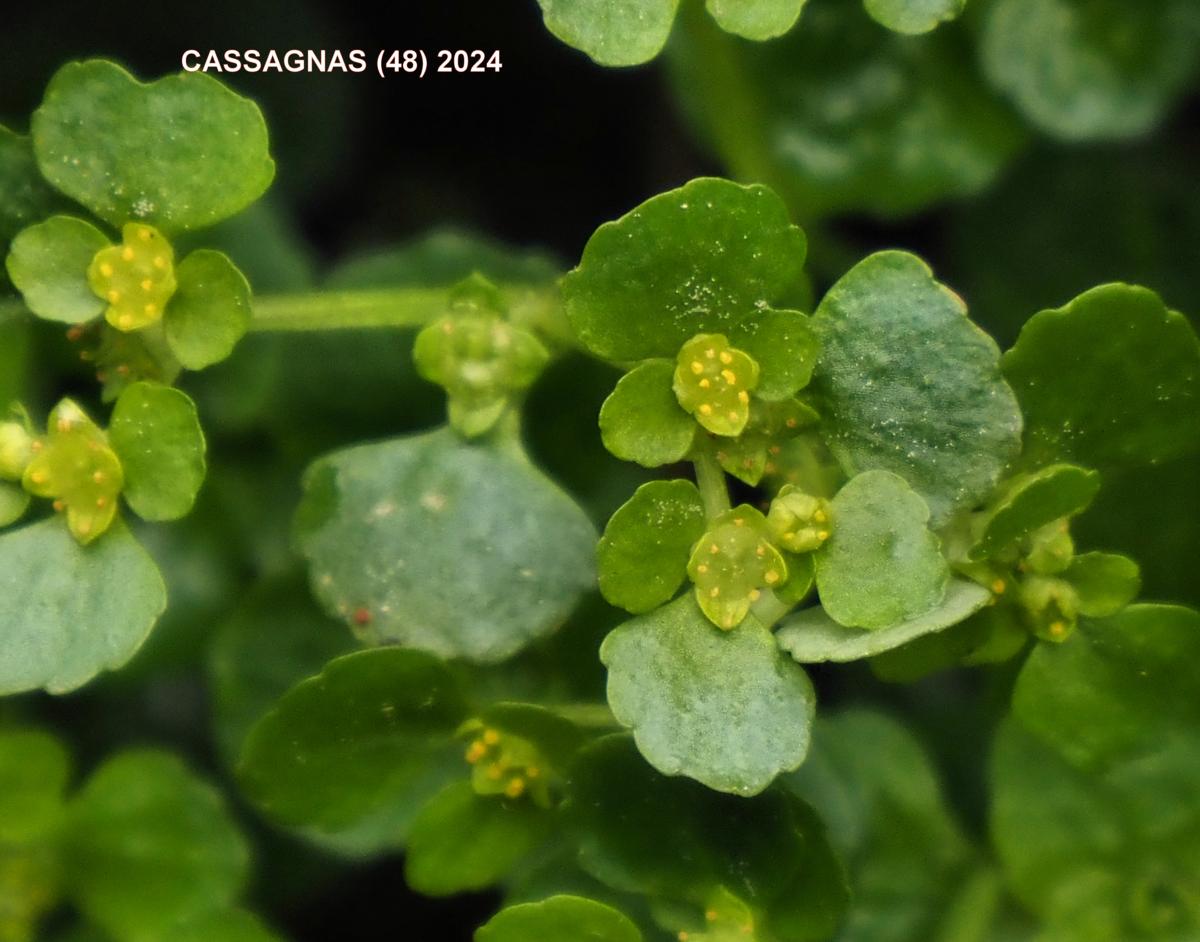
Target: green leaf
365,734
227,925
179,153
48,264
34,769
881,565
756,19
210,310
785,347
1086,69
644,551
808,114
642,420
1033,501
913,17
812,637
156,433
723,707
708,257
612,32
1105,582
1117,689
441,545
71,611
651,834
1068,361
908,384
149,844
24,196
462,841
559,919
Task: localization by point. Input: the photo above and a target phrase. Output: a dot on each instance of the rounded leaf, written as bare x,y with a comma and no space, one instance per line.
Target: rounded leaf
1104,582
726,708
149,845
179,153
1067,363
881,565
441,545
913,17
71,611
756,19
156,433
210,311
705,258
1032,501
906,383
642,420
812,637
559,919
48,263
612,32
644,551
25,198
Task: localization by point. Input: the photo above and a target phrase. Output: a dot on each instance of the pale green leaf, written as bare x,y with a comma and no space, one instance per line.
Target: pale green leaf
48,264
756,19
612,32
209,312
1105,582
913,17
642,420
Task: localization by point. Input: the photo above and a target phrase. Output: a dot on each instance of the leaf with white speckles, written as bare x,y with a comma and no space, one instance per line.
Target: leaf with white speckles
462,550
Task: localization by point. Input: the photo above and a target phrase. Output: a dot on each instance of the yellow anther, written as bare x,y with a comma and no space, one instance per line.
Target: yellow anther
820,516
150,309
144,235
710,352
98,477
790,423
760,551
38,477
37,445
714,591
822,534
63,425
126,321
739,522
106,270
726,357
491,737
705,409
697,367
147,284
729,376
711,915
683,936
755,595
101,502
789,536
704,384
83,527
999,586
127,253
743,396
114,296
476,751
714,549
160,261
733,415
59,506
515,788
702,568
771,577
1058,629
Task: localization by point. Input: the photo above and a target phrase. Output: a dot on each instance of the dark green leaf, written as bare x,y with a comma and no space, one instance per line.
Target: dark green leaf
227,925
1067,363
209,312
48,264
812,636
908,384
708,257
156,433
179,153
642,420
726,708
364,735
34,768
149,844
559,919
1105,582
24,196
644,551
442,545
71,611
881,565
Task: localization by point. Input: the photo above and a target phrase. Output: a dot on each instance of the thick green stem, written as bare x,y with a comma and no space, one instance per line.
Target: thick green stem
769,609
334,310
710,478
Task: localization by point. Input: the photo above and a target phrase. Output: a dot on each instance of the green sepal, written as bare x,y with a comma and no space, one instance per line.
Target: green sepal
149,844
48,263
1032,501
708,257
643,555
1067,362
943,419
462,841
361,736
179,153
135,279
913,17
881,565
1104,582
713,382
749,707
732,562
71,611
642,420
560,918
210,311
75,465
122,359
156,434
812,637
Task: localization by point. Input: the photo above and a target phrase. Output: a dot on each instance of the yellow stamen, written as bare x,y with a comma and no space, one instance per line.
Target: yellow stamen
127,253
697,367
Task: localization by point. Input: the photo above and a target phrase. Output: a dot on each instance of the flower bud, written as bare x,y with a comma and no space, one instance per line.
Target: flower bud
1051,607
798,521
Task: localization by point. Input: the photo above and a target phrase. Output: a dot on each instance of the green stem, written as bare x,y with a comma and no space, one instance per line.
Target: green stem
334,310
769,609
710,478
